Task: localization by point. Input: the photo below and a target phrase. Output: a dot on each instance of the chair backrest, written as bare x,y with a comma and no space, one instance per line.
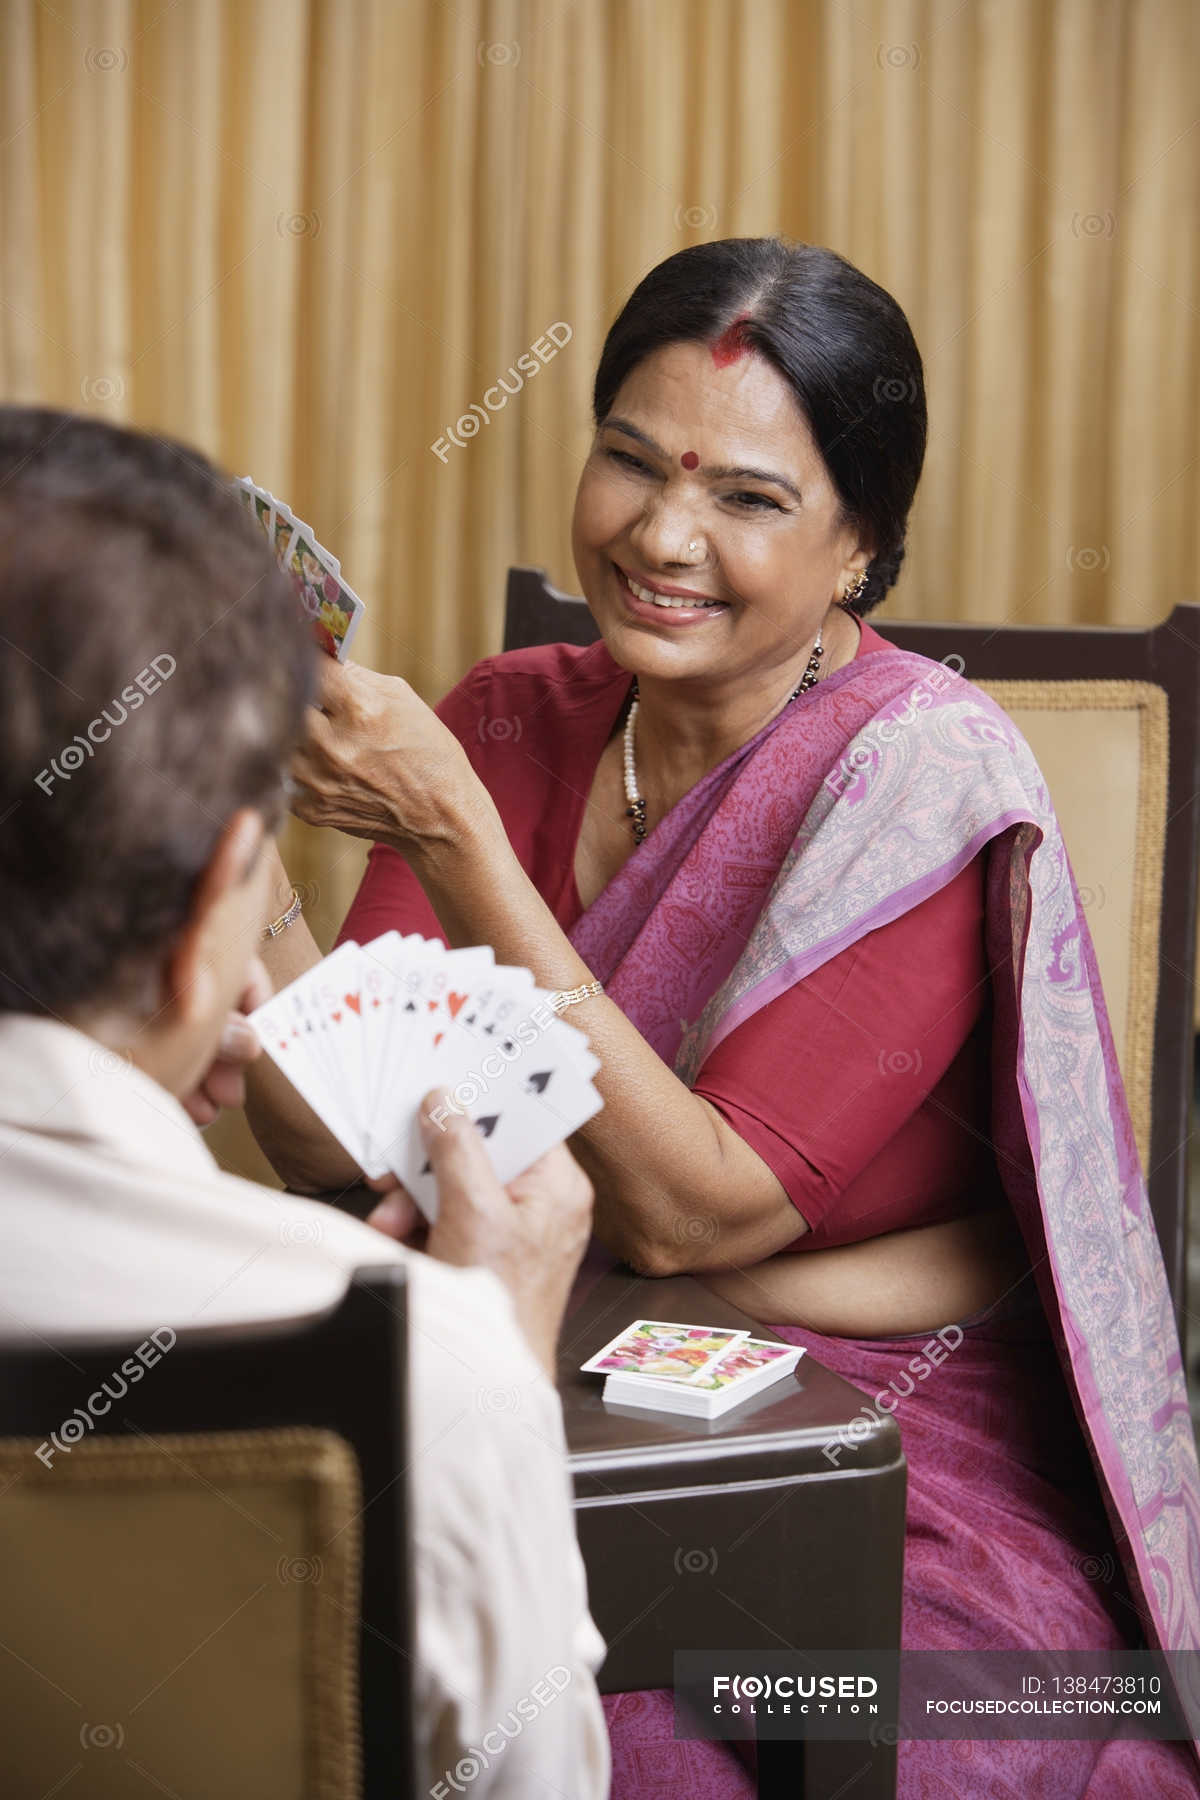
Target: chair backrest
1112,716
204,1562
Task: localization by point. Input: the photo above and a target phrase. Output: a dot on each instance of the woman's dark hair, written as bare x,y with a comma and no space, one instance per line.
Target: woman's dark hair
154,669
840,342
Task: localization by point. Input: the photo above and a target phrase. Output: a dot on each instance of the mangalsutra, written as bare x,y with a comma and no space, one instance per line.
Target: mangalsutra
636,807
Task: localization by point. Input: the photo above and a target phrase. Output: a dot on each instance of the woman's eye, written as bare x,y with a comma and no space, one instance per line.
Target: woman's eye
752,502
625,460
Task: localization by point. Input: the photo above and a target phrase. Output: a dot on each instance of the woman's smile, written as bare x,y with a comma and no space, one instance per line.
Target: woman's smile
723,573
664,604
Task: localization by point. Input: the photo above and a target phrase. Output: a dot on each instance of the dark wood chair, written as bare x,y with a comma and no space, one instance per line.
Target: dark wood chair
1113,717
206,1589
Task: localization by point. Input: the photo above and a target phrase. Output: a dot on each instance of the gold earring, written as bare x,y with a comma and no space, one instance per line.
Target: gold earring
856,589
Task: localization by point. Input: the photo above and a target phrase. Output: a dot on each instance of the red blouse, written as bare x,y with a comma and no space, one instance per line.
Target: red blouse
865,1087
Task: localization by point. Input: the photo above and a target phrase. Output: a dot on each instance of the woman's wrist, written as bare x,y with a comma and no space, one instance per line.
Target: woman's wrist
280,891
465,829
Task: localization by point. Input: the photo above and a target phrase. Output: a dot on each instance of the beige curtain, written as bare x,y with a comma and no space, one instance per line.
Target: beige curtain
309,237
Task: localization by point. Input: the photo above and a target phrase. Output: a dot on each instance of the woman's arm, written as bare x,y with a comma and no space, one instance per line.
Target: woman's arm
302,1151
904,1282
379,764
658,1155
661,1157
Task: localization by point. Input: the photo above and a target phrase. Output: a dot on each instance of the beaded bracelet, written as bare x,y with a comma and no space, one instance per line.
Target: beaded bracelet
565,997
286,918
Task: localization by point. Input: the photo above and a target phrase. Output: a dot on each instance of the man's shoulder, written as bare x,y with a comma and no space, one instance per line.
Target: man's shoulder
463,1329
467,1311
105,1244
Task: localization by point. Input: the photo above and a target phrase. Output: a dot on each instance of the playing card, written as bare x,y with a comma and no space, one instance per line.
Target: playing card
430,1045
743,1360
752,1367
332,607
366,1033
337,618
243,487
383,960
334,988
519,1071
283,526
495,1006
654,1347
432,986
287,1031
538,1100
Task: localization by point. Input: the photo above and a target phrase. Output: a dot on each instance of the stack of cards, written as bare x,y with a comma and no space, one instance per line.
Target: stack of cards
698,1370
370,1030
333,608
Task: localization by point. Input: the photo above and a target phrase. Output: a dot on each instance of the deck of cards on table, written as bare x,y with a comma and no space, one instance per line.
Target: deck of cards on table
365,1034
700,1370
333,608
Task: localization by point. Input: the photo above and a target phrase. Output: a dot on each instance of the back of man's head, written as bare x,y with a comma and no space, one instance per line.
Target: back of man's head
154,670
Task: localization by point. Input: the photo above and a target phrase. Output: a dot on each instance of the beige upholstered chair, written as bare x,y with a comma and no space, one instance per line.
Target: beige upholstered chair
1102,746
1113,717
181,1614
204,1582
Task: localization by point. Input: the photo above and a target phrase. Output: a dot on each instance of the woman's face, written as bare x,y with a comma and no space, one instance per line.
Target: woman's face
704,483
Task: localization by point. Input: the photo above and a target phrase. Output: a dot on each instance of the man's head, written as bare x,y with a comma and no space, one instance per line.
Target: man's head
154,670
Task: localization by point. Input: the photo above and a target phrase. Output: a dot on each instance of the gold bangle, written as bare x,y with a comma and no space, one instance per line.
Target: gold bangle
565,997
285,919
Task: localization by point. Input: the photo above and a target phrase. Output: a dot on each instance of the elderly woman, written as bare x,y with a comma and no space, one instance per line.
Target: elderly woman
857,1069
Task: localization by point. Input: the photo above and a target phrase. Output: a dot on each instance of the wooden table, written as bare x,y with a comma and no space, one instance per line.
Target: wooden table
733,1533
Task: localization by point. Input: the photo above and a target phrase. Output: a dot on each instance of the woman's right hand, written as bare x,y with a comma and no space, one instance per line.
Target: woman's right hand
532,1233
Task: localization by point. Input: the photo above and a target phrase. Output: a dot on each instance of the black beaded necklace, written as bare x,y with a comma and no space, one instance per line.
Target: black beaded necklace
636,807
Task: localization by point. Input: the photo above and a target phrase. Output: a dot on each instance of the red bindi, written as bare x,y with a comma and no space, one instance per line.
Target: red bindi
690,460
733,343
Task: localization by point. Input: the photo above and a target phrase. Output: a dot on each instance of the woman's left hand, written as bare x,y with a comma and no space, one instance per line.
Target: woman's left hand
378,763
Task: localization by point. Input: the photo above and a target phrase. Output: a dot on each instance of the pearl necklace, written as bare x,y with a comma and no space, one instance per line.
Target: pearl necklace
636,807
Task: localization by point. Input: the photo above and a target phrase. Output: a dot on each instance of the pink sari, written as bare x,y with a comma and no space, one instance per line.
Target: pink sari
862,798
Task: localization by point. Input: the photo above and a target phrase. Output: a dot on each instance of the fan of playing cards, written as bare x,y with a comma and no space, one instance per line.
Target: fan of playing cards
365,1035
333,608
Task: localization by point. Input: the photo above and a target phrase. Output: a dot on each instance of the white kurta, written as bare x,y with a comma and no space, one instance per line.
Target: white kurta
114,1218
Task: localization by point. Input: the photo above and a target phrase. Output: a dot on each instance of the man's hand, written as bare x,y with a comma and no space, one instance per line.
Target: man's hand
224,1083
532,1233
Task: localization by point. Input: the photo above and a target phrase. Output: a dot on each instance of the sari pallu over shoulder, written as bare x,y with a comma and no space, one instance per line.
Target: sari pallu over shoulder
858,801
